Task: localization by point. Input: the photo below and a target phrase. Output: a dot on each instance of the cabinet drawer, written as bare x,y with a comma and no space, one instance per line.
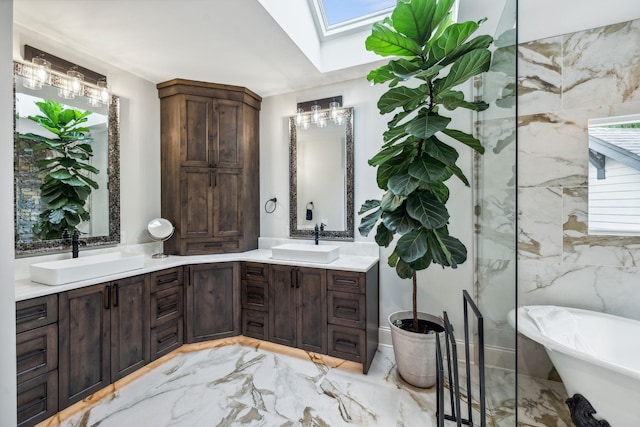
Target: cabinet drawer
255,271
165,279
255,295
255,324
347,343
38,399
166,337
36,352
36,312
166,304
346,281
205,247
346,309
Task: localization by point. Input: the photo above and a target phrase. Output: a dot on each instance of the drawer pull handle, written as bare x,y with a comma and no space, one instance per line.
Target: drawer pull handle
346,309
167,338
168,279
256,324
345,281
346,343
31,355
106,297
40,314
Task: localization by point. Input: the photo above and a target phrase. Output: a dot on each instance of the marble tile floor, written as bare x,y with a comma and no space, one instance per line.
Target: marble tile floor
244,382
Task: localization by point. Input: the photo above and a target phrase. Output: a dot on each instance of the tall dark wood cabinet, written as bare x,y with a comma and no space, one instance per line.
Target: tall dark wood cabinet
210,166
103,335
298,307
213,301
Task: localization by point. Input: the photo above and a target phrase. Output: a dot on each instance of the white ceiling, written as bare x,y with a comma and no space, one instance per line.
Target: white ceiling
238,42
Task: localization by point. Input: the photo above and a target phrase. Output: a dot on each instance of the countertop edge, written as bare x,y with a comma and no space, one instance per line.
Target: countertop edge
26,289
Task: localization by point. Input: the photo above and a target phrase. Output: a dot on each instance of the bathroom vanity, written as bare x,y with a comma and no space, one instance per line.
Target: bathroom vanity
77,338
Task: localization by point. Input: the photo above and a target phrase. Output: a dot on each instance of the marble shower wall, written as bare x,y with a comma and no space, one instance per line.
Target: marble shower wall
562,82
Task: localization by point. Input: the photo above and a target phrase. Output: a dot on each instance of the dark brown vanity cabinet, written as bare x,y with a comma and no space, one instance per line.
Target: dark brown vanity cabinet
213,301
167,311
255,300
298,307
353,315
37,359
103,335
210,166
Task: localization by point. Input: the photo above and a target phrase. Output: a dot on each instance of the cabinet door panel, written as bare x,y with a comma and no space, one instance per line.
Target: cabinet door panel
312,312
213,302
129,325
227,202
197,136
197,211
84,345
282,305
228,134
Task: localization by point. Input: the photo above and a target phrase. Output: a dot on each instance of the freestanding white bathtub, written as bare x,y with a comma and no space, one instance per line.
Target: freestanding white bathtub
604,365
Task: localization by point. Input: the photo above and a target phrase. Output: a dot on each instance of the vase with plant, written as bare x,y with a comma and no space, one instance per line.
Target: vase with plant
66,184
432,56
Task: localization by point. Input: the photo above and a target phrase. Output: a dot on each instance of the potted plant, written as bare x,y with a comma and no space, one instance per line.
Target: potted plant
66,185
433,55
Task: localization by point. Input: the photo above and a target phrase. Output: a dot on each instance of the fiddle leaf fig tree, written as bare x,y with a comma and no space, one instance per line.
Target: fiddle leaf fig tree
66,185
433,55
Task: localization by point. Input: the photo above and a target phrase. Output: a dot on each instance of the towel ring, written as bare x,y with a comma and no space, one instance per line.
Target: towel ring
266,205
310,203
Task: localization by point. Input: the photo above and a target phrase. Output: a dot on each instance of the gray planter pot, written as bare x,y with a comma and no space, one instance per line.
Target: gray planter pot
415,353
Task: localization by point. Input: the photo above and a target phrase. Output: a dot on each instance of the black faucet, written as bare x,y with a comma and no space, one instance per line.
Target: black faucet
317,231
75,242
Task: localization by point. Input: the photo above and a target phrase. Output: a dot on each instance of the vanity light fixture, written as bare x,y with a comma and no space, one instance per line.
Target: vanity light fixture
332,111
38,73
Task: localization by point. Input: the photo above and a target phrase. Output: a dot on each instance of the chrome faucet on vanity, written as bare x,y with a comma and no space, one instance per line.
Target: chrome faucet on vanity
317,231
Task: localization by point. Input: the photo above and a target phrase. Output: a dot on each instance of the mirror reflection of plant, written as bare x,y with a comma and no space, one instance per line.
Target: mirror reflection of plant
66,185
434,56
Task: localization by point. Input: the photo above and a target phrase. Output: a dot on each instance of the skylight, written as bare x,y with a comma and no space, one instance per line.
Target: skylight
344,16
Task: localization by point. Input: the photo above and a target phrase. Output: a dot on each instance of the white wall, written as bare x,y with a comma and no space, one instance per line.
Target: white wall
139,133
7,293
439,289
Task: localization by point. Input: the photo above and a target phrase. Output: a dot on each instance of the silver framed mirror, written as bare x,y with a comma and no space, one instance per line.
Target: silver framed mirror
104,227
321,174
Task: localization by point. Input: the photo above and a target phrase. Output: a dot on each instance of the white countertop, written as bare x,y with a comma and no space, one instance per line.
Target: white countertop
26,289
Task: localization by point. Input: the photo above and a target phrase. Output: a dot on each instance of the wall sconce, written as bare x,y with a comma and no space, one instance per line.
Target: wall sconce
321,111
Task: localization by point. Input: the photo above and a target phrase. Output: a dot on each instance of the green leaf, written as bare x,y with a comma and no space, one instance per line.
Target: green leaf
380,75
402,97
390,202
453,99
425,125
56,216
391,167
468,65
422,263
427,169
89,181
413,19
458,172
384,41
403,68
393,259
480,42
440,151
412,245
399,221
60,174
73,181
439,190
447,250
383,235
385,154
427,209
402,184
465,138
368,205
367,222
404,270
452,37
58,203
429,73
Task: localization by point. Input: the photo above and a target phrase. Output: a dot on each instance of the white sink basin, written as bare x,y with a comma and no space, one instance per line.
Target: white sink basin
307,253
83,268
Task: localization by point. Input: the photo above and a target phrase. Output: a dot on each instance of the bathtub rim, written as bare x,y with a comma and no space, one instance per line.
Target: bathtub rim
528,328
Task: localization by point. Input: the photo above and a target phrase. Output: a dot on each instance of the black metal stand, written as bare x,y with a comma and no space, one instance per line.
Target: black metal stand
452,370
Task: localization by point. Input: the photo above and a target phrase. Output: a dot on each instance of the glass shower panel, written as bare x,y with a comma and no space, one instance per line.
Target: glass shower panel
495,209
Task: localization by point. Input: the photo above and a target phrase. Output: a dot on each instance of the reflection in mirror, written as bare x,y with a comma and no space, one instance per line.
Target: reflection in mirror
321,178
103,224
614,176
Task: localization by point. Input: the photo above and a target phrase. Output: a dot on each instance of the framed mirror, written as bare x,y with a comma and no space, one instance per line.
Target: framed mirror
103,202
321,177
614,176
